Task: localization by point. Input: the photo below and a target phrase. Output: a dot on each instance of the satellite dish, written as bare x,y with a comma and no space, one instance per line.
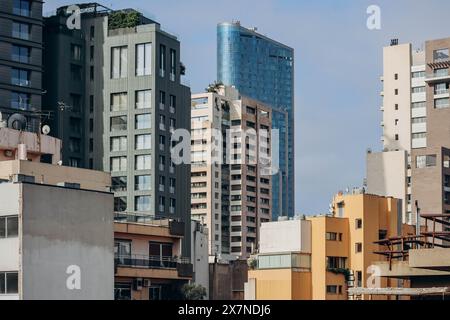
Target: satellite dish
45,130
17,121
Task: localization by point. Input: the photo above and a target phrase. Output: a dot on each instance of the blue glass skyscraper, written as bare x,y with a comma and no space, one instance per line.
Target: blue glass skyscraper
263,69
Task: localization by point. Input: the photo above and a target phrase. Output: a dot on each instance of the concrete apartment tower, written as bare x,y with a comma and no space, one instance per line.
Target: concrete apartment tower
125,98
230,190
21,61
263,69
414,164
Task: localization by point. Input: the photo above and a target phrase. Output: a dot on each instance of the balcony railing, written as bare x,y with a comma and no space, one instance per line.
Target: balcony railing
149,262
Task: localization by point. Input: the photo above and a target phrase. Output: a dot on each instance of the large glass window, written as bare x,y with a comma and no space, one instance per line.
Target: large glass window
173,64
21,30
9,282
119,101
20,77
441,88
336,263
442,103
142,203
76,52
143,99
119,184
441,54
119,123
426,161
9,227
143,121
21,101
143,142
20,54
118,164
162,60
22,7
118,144
120,204
143,183
144,59
143,162
119,62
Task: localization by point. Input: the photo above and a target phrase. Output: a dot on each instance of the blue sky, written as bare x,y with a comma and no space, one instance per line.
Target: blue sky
338,66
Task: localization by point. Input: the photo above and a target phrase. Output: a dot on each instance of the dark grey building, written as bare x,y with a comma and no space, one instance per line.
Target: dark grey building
21,60
125,73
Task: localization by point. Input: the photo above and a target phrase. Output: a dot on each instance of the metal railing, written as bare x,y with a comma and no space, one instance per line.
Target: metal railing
149,262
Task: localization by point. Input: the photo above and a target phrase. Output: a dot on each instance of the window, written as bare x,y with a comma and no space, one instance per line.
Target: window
443,72
331,236
143,142
143,162
74,145
358,247
120,204
162,60
20,54
118,164
144,59
426,161
419,120
396,92
142,183
75,125
21,101
143,121
332,289
397,137
20,77
142,203
22,7
418,74
336,263
9,227
118,144
91,73
358,223
418,90
92,32
441,54
9,283
441,103
74,163
119,101
143,99
419,105
75,51
441,88
396,76
359,279
173,104
75,102
119,184
422,135
91,53
382,234
119,62
119,123
21,30
75,72
162,100
396,106
173,64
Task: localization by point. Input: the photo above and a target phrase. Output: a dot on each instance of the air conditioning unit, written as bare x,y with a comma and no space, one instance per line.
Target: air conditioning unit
146,283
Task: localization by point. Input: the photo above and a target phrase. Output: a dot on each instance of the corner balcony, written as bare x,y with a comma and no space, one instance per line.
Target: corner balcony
438,76
155,267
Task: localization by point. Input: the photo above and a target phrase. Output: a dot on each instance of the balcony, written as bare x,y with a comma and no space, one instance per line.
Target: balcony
151,262
437,77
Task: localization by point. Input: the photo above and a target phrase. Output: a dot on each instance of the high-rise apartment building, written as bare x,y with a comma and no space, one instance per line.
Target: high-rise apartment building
263,69
230,187
414,165
21,61
126,98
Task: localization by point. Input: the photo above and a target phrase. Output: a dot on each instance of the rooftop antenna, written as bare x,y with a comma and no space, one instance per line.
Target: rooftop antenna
394,42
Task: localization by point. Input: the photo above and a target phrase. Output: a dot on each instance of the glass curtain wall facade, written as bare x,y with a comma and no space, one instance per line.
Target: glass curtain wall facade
263,69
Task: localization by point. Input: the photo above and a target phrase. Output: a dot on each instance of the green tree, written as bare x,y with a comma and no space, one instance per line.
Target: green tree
192,291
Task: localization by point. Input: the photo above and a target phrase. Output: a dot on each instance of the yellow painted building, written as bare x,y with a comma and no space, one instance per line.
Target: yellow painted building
341,251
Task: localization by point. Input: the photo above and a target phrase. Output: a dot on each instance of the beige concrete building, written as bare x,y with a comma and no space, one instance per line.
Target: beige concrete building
416,131
231,162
